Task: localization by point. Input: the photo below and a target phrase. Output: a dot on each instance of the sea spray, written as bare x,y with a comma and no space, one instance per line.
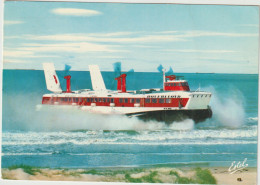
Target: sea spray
187,124
73,118
227,111
31,116
228,108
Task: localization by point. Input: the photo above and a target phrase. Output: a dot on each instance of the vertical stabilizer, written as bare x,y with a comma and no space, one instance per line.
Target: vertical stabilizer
52,80
96,78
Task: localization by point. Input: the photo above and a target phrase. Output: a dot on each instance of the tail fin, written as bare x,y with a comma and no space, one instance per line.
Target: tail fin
96,78
52,80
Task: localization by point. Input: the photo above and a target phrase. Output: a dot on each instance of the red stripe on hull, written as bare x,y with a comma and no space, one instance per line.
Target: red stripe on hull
119,102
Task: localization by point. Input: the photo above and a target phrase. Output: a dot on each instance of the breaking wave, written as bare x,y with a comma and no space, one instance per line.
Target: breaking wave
252,119
142,137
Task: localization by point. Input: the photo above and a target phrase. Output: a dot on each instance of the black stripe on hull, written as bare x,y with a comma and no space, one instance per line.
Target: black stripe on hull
169,116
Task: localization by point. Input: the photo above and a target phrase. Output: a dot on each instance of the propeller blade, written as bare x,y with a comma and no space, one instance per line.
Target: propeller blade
160,68
64,73
169,72
67,68
131,71
117,68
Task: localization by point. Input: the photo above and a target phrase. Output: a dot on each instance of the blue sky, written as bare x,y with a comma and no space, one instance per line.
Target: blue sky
189,38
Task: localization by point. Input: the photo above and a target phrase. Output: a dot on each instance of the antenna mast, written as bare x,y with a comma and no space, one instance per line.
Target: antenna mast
163,70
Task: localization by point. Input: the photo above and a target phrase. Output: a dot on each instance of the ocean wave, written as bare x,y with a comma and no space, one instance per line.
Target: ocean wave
95,136
196,136
252,119
118,153
106,142
199,134
10,154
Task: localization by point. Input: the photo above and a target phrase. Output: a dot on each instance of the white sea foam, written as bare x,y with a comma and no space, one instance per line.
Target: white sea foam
140,137
187,124
146,142
129,154
64,118
75,142
252,119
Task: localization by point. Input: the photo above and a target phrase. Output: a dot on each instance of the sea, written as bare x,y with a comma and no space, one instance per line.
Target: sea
68,137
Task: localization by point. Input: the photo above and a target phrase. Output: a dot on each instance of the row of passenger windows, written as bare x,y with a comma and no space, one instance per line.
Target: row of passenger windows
105,100
155,100
111,100
176,84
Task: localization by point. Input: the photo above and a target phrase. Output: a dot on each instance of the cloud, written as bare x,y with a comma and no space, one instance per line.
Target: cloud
8,22
8,53
199,51
143,45
107,38
12,37
113,34
16,61
228,61
75,12
250,25
23,54
198,33
37,50
78,47
113,57
137,37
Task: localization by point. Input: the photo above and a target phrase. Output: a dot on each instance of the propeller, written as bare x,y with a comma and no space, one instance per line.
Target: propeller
169,72
117,68
66,72
118,71
160,68
67,68
131,71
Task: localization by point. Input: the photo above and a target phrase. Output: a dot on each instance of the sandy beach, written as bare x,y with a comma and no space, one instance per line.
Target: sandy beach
248,176
213,175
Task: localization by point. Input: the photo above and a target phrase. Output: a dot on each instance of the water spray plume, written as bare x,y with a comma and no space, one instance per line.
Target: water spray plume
66,118
228,110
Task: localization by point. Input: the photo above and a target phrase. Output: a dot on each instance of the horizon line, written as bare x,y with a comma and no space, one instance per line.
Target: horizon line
143,71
